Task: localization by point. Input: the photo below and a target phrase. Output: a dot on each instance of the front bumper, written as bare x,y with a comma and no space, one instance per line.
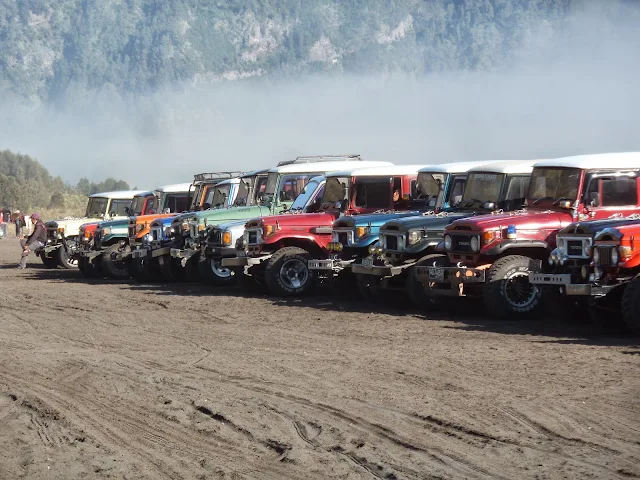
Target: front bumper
218,252
245,261
367,267
587,290
329,265
159,252
140,253
90,254
550,278
450,275
183,254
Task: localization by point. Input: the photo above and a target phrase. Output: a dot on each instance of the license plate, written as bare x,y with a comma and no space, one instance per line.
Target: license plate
367,262
436,274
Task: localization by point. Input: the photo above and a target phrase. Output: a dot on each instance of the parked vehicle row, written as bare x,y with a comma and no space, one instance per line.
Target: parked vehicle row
519,235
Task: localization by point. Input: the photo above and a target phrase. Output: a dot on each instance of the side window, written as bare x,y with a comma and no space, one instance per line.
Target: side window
457,189
619,192
414,189
118,207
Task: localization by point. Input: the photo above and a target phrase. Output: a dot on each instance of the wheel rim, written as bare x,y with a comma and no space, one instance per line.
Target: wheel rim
73,247
518,291
294,273
218,270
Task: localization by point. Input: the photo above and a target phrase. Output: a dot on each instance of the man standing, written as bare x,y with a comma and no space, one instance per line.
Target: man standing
36,240
18,222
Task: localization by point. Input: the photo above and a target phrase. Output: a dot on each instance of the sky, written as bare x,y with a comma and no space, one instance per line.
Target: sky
563,96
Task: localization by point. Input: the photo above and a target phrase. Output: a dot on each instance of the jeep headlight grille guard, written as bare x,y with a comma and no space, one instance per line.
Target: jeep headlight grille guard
252,236
393,241
574,247
342,235
462,242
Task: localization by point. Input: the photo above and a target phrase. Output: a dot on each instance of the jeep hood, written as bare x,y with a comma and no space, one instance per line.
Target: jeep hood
594,226
301,221
372,219
526,220
151,217
216,216
72,225
424,222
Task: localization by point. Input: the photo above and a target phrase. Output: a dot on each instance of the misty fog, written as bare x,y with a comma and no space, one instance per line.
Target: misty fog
562,95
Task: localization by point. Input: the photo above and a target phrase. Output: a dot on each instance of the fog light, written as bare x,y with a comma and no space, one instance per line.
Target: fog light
598,272
552,260
372,249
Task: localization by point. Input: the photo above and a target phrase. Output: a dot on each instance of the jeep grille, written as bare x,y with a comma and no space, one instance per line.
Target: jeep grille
461,243
156,234
393,242
575,246
252,236
604,252
343,235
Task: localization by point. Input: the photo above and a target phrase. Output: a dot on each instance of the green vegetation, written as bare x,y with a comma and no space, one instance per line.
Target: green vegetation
53,49
26,185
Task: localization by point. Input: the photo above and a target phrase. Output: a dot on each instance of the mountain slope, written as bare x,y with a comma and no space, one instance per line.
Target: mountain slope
50,48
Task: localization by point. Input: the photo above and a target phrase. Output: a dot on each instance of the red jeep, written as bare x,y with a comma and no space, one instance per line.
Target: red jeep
491,256
278,247
614,282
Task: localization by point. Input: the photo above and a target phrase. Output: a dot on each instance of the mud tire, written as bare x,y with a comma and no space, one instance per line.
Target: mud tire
118,270
499,290
418,291
49,262
287,273
89,268
631,306
369,287
170,270
212,272
63,258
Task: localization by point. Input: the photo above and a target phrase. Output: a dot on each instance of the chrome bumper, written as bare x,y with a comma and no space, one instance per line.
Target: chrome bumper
160,252
139,253
451,275
245,261
329,265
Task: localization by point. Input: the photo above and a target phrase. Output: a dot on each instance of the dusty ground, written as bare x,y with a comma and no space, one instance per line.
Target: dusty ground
118,380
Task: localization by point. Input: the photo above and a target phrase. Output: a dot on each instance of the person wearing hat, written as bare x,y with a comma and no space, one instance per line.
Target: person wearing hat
34,241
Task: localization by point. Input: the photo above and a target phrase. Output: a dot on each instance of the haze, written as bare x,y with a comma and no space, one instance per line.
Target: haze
561,96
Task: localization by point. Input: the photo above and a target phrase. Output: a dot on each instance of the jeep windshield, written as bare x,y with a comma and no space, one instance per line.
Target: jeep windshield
118,207
373,192
174,202
308,194
481,189
137,205
551,185
288,187
97,207
428,187
217,196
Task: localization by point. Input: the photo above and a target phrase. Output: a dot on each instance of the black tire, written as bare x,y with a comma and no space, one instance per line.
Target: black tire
369,287
507,293
112,268
287,273
418,291
212,271
191,271
49,262
64,256
88,268
631,306
170,269
566,308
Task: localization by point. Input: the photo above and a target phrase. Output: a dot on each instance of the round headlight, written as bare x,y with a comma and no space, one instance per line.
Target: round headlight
372,249
475,244
552,260
615,256
596,256
561,247
447,242
147,238
586,249
413,236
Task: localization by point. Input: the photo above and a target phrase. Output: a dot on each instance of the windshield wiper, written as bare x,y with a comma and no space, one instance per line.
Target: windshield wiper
468,203
538,200
556,202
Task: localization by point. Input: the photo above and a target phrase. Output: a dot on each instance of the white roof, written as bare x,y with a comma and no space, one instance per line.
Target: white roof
254,172
326,166
175,188
376,171
125,194
229,181
598,161
506,166
455,167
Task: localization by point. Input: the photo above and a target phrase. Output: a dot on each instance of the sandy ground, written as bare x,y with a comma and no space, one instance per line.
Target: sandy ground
120,380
